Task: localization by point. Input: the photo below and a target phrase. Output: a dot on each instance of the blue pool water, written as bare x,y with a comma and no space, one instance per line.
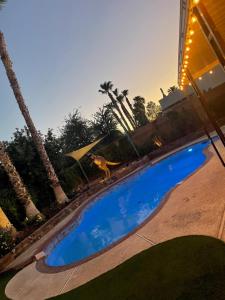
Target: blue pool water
121,209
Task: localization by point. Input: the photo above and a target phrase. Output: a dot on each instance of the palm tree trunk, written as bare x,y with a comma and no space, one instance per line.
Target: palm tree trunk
126,132
119,111
59,193
5,223
25,199
132,109
118,120
127,114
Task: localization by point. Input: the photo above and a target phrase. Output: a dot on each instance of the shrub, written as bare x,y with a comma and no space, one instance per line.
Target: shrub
6,242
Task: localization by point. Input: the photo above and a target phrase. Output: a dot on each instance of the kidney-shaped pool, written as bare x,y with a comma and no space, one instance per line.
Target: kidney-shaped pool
119,211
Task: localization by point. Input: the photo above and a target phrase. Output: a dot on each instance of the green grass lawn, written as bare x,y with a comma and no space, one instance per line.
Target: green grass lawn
186,268
4,279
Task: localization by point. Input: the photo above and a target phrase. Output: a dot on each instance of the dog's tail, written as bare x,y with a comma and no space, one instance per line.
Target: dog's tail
110,163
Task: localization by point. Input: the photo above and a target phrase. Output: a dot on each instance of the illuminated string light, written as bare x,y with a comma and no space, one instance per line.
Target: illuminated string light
188,48
193,19
211,72
189,41
200,78
196,2
186,56
191,32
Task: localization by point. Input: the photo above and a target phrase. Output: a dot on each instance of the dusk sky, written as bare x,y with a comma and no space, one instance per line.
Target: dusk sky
63,50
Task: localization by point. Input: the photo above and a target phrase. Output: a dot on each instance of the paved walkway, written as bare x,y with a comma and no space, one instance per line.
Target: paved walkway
195,207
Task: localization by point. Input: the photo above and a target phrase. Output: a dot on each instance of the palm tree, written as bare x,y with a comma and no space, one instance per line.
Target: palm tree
139,111
31,210
110,106
106,88
125,94
172,89
59,193
2,2
119,98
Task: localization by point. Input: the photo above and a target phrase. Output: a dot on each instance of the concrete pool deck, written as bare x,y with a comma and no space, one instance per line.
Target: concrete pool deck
194,207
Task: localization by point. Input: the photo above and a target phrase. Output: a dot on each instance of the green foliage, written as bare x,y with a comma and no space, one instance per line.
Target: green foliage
104,124
172,89
152,110
139,111
76,132
6,242
2,3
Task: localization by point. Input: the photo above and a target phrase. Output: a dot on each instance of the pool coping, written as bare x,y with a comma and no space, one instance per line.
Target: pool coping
44,268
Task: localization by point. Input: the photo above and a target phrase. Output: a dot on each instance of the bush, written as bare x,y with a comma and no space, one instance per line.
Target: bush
6,242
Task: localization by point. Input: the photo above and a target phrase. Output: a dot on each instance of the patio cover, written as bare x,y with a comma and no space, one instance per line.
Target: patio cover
78,154
195,52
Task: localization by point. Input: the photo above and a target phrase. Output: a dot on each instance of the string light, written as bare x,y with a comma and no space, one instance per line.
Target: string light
211,72
189,41
187,48
191,32
200,78
193,19
186,56
196,2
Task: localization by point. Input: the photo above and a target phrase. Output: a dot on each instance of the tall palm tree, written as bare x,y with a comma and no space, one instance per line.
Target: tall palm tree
106,88
119,99
2,2
125,94
5,224
111,107
24,197
59,193
172,89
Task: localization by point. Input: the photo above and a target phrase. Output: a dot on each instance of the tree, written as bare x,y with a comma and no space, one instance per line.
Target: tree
104,123
172,89
24,197
2,2
120,98
76,132
139,111
59,193
106,88
152,110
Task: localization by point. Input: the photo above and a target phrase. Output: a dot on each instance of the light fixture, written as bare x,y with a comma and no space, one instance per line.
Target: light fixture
211,72
189,83
200,78
185,62
187,48
185,66
187,56
191,32
181,87
189,41
195,1
193,19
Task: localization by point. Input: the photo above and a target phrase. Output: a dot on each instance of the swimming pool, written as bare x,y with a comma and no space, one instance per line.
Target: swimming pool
120,210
